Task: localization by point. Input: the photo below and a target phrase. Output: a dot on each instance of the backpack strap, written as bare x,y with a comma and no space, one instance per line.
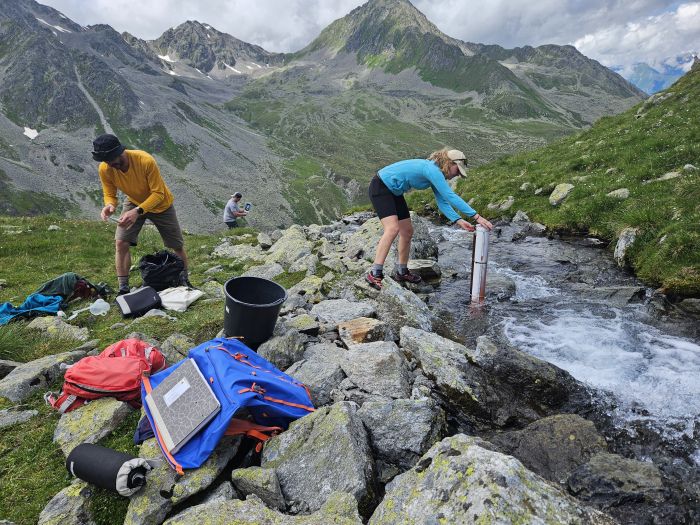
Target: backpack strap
243,427
63,402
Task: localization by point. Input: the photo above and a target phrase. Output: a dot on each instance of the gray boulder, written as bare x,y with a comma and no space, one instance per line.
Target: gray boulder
176,347
284,350
266,271
89,423
262,482
57,327
338,310
459,481
560,192
14,416
310,466
36,375
7,366
609,480
320,376
398,307
401,431
149,506
553,447
377,369
339,509
626,239
69,507
292,246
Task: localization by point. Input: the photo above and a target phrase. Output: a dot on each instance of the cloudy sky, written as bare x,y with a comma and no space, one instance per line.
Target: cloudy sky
617,33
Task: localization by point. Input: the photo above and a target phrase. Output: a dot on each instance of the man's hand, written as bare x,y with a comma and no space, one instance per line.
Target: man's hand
107,212
128,218
465,225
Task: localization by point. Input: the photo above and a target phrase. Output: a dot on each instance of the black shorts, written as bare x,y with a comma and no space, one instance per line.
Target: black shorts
386,203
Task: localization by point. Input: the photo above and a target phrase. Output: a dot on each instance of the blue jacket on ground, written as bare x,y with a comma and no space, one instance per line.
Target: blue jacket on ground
421,174
34,304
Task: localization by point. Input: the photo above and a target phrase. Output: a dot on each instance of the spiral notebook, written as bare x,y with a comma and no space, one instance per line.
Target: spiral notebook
181,405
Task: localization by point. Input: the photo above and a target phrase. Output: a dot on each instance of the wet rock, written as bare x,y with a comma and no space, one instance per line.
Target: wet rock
292,246
56,327
361,330
151,504
339,509
176,347
626,239
609,480
14,416
309,467
378,369
36,375
262,482
499,287
622,194
561,191
400,307
615,295
71,506
401,431
690,306
305,324
320,377
89,423
460,481
7,366
338,310
553,447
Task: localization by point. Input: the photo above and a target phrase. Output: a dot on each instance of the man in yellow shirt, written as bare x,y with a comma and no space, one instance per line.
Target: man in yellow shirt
137,175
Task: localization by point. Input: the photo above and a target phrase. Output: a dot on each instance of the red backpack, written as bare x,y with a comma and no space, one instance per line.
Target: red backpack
116,372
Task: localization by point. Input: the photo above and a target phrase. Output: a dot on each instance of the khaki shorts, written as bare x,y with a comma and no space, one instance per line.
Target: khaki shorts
165,222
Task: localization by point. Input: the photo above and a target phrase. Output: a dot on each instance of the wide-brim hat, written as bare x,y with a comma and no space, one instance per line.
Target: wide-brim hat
460,159
106,148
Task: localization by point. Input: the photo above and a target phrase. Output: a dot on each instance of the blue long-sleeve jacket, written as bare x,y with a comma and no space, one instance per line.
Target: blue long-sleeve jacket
421,174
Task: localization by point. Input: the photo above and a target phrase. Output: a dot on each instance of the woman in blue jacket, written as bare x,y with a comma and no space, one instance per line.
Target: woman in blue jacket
386,193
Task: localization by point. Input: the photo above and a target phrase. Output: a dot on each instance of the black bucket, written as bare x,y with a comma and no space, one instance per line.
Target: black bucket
252,307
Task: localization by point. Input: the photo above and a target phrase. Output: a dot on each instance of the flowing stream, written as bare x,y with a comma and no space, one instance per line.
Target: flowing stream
574,308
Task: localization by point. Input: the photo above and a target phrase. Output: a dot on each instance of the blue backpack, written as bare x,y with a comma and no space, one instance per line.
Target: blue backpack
240,378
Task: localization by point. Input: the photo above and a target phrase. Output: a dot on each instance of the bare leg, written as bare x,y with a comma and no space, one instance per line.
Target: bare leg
122,257
391,230
181,253
405,236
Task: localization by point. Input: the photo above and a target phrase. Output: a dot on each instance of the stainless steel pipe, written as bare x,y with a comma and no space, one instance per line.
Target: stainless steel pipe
480,259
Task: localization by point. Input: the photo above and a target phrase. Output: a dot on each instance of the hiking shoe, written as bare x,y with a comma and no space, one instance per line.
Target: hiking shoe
407,277
123,290
375,281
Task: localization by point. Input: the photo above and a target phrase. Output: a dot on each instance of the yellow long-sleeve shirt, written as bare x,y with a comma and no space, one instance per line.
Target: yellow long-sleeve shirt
142,183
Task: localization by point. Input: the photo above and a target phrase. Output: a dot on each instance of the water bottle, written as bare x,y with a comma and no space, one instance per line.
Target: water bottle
99,307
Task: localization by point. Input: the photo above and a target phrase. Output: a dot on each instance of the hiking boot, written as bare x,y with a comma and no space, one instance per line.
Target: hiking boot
123,290
374,280
407,277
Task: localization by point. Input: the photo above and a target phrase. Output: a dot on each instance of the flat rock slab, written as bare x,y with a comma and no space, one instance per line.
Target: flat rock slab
35,375
336,311
69,507
14,416
361,330
379,368
89,423
458,481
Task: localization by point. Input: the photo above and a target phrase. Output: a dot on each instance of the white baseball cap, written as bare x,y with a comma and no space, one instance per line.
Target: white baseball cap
460,159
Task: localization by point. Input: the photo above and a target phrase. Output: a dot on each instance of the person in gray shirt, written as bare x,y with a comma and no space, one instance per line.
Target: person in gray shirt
232,211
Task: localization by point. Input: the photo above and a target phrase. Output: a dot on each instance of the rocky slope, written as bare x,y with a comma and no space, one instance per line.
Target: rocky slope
222,115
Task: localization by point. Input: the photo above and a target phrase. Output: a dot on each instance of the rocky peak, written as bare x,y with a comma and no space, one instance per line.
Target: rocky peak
206,48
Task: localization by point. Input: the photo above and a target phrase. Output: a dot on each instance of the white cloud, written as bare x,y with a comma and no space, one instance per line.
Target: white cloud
615,32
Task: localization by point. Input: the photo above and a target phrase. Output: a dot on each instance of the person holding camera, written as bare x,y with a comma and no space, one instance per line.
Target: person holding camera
232,210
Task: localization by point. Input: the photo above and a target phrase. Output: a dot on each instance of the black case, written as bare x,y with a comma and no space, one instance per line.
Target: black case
137,303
